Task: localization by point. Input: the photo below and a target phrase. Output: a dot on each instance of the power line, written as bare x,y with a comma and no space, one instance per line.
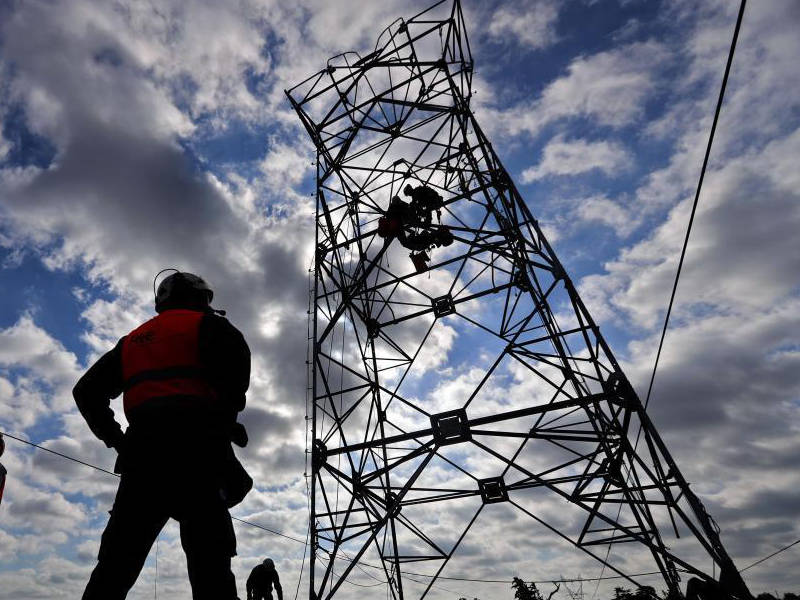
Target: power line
379,581
81,462
24,441
697,193
302,563
717,111
438,587
758,562
509,581
86,464
465,579
298,540
272,531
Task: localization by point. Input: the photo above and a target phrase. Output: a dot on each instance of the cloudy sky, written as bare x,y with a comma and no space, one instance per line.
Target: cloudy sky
143,134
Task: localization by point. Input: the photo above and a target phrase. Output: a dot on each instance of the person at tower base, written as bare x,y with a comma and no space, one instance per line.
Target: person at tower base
183,376
262,578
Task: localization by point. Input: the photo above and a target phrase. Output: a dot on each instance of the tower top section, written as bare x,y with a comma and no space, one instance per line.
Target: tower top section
423,61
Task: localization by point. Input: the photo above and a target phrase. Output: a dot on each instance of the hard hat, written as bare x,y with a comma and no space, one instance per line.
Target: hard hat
183,289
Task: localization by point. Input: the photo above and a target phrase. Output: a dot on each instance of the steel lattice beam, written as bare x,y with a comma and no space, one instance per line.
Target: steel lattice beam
458,258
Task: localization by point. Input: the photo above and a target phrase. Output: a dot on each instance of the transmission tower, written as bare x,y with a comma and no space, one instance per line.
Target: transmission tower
577,593
457,373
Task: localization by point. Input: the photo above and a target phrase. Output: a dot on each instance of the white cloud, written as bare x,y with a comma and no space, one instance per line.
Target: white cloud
728,371
745,221
286,165
531,24
45,512
120,201
5,147
600,209
39,373
610,88
145,209
576,156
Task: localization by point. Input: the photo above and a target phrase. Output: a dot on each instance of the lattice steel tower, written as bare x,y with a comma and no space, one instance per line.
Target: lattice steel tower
455,366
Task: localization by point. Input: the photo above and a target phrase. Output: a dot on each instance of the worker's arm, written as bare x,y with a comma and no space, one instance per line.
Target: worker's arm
93,394
226,354
251,585
277,583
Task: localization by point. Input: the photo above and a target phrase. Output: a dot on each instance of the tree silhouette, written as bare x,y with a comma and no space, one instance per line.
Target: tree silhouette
529,591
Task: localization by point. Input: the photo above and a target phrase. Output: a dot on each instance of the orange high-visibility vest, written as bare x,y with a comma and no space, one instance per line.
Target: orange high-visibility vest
160,359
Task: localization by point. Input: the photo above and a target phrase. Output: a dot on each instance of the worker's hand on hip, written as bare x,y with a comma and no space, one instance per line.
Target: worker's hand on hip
121,447
239,435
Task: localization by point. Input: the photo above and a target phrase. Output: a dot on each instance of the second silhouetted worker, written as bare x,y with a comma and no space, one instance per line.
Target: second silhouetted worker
262,578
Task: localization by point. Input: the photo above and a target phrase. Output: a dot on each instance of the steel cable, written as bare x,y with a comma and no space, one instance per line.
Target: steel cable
466,579
717,111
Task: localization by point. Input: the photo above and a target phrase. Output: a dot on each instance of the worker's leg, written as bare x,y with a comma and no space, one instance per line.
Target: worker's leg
136,519
209,542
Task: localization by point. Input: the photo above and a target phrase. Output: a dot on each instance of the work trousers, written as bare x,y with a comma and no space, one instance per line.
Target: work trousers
142,507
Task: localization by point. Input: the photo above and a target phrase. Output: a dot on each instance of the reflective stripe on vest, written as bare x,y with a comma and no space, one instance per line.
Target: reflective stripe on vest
161,359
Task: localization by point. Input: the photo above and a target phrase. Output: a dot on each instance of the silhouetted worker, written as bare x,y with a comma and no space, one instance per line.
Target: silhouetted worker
261,580
183,375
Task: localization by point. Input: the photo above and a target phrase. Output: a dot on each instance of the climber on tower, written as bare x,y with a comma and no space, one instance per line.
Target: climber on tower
183,376
412,222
